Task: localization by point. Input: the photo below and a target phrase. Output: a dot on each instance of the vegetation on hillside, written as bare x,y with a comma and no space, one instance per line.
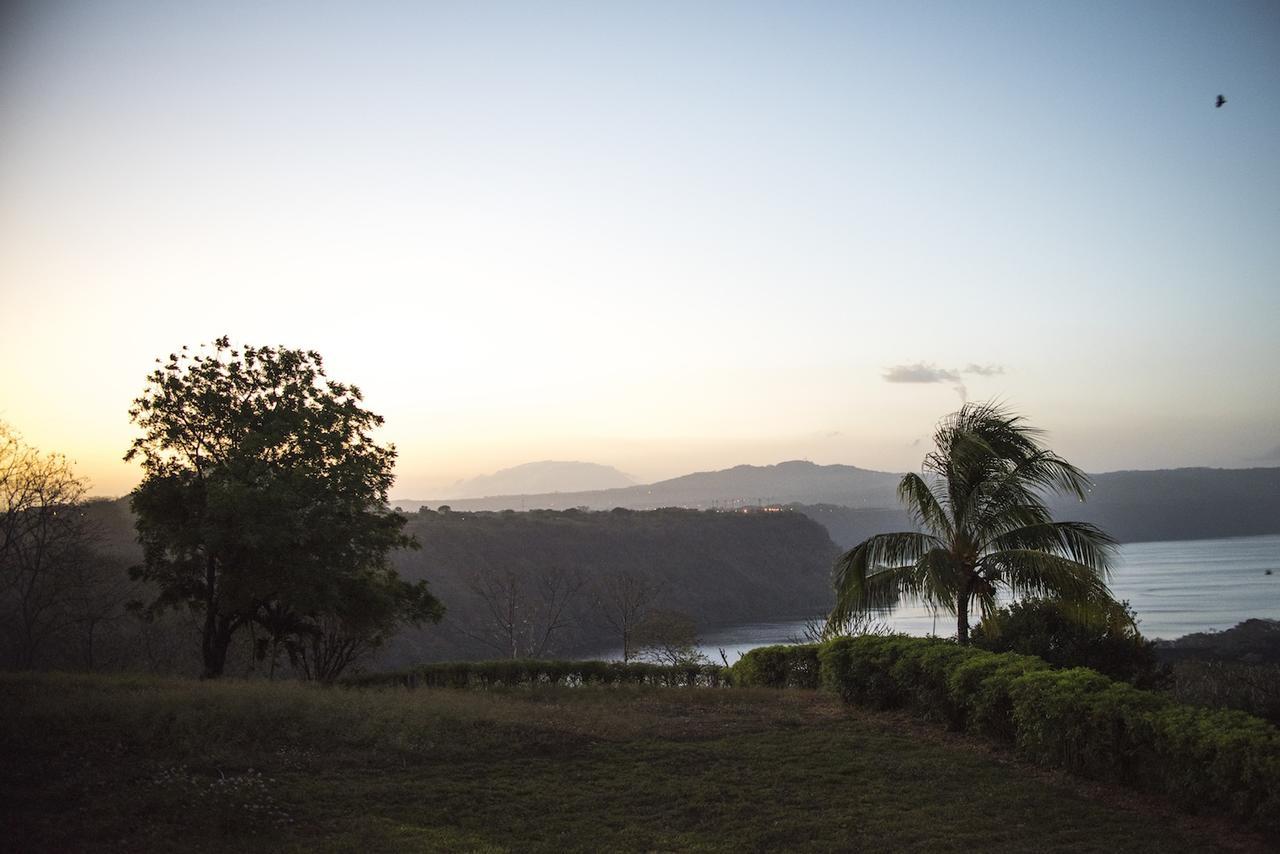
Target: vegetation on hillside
719,568
1234,669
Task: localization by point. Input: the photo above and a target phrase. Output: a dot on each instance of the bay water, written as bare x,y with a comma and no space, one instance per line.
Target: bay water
1176,588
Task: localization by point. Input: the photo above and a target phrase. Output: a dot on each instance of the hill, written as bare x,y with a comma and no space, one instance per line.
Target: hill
783,483
1134,506
720,568
548,476
1181,504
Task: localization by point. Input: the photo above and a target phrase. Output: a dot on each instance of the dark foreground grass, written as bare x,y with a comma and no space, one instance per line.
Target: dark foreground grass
150,765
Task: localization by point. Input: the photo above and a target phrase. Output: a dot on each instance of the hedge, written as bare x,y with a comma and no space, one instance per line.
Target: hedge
531,673
782,666
1074,719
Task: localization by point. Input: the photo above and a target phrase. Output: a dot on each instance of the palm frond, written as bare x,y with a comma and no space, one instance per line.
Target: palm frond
1044,472
1029,572
1081,542
877,573
941,579
924,505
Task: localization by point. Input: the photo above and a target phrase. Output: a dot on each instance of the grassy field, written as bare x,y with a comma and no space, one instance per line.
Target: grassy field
140,764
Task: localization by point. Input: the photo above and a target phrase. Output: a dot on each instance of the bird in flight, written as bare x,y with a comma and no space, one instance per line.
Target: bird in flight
1221,100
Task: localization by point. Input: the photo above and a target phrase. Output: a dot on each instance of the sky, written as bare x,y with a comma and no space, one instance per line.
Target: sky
665,237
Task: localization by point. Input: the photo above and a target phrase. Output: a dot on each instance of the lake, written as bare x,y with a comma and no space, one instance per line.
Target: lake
1176,588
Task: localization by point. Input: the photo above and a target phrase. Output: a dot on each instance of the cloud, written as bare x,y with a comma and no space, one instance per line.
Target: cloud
920,372
1270,456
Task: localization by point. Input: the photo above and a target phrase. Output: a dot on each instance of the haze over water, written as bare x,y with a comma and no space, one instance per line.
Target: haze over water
1176,587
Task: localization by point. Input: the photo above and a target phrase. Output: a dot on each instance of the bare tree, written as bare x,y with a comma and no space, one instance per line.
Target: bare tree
668,637
624,599
46,543
521,613
96,609
821,629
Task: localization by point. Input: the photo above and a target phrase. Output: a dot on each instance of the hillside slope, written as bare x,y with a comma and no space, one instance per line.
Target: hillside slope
718,567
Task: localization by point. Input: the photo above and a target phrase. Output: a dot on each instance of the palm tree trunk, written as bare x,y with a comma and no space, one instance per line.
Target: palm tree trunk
962,615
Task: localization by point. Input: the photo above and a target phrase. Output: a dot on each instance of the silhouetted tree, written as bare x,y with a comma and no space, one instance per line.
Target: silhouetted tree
522,612
47,561
668,637
822,629
623,599
263,492
985,527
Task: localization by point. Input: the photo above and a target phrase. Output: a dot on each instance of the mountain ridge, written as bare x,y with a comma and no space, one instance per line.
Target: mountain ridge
1192,502
544,477
699,490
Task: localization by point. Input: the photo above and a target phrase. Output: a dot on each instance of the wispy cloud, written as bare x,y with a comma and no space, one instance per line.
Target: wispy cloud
923,372
920,373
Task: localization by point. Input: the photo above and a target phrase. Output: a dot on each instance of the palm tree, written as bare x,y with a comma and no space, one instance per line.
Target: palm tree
983,527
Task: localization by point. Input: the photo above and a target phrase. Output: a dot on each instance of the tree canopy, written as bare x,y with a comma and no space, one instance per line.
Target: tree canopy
984,527
264,496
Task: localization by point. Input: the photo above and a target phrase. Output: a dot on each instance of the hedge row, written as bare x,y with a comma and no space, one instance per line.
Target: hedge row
528,673
1075,719
782,666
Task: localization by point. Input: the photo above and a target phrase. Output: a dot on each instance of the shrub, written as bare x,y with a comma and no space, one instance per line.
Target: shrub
1109,643
979,691
1228,758
860,669
781,666
922,673
512,673
1080,720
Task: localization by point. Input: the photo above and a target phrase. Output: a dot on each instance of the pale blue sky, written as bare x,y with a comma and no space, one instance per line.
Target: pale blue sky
660,237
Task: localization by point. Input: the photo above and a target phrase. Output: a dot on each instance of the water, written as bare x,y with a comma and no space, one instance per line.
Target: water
1176,588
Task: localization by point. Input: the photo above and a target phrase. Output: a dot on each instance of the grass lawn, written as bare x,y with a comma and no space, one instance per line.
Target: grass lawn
142,764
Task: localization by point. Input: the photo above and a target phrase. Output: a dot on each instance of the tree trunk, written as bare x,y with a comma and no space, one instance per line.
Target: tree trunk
215,658
962,615
214,644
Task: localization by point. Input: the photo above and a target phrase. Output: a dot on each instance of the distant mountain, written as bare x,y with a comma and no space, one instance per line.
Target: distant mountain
1180,504
742,485
548,476
1165,504
1132,506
